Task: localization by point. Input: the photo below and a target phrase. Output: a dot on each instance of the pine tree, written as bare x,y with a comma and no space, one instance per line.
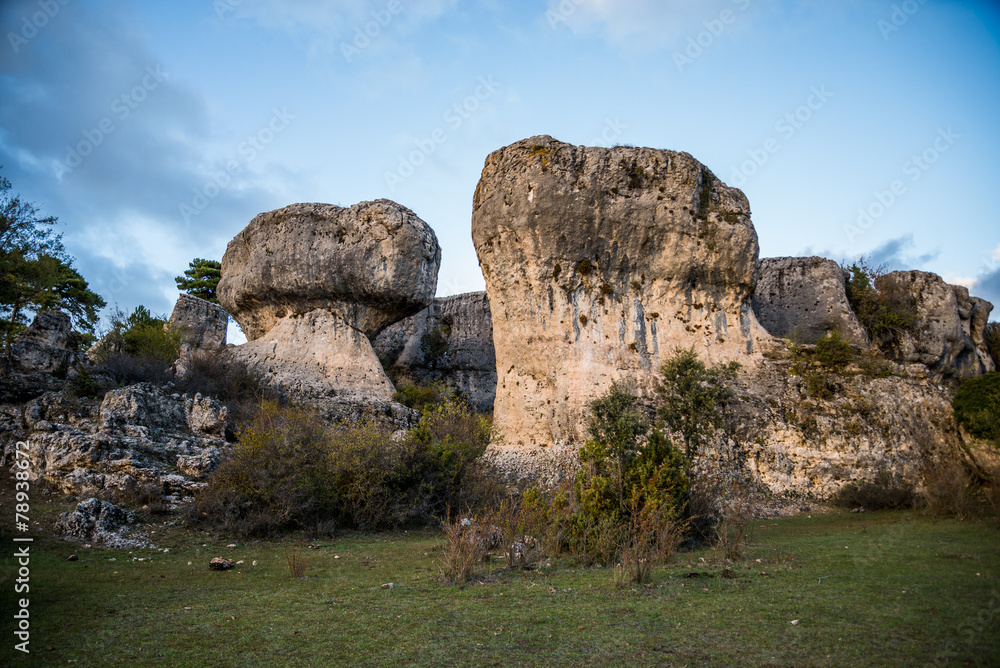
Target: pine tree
201,279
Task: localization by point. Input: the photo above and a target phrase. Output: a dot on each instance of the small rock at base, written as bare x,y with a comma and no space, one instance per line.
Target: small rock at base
221,564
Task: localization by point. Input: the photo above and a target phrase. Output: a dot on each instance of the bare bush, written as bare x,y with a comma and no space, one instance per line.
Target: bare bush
948,489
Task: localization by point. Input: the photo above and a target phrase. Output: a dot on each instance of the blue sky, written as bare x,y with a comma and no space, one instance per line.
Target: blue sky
156,131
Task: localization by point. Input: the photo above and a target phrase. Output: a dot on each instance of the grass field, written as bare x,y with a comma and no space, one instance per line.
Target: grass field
892,589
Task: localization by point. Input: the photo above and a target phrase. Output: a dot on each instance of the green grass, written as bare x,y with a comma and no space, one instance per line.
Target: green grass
867,589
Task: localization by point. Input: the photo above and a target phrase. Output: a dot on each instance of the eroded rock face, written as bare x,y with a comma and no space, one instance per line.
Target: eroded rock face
318,355
805,298
372,264
202,325
312,284
47,345
99,522
137,436
450,341
598,264
949,334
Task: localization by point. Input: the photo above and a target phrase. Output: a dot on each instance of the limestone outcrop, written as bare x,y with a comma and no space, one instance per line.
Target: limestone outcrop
598,264
450,341
805,298
46,347
312,284
136,436
201,324
949,335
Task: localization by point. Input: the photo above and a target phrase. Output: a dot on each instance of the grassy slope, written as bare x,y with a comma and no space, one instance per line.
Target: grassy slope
896,589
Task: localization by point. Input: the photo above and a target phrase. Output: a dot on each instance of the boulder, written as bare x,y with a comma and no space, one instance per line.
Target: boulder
206,415
599,263
201,324
949,335
99,522
371,265
804,298
312,284
450,341
46,346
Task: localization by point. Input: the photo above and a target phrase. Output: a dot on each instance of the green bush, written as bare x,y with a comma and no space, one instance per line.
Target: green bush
137,349
833,352
882,305
977,406
887,491
421,397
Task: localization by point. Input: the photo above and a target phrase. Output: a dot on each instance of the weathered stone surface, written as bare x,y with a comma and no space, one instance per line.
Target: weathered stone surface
372,264
805,298
598,264
312,284
450,341
135,436
949,334
318,356
221,564
47,345
99,522
201,324
206,415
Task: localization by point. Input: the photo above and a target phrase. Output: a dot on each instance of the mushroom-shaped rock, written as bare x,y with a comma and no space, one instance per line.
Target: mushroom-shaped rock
312,284
599,263
805,298
371,264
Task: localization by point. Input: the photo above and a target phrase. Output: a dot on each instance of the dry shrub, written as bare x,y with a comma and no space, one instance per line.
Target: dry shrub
520,525
991,489
466,544
239,388
948,489
296,561
887,491
291,470
651,538
723,510
142,498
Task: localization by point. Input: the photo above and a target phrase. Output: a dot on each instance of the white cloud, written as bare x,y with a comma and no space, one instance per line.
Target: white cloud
996,253
965,281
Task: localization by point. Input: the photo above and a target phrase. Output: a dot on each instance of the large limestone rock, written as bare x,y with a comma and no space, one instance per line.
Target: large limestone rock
312,284
201,324
805,298
450,341
949,336
47,345
598,264
372,265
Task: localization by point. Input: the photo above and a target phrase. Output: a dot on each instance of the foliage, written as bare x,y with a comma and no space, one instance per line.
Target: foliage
137,348
885,308
692,396
421,397
887,491
201,279
992,342
948,490
290,470
833,352
977,406
35,272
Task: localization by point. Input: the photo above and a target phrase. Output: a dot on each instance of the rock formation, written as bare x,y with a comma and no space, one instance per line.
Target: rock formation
99,522
312,284
598,264
47,346
450,341
135,436
949,335
804,298
201,324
